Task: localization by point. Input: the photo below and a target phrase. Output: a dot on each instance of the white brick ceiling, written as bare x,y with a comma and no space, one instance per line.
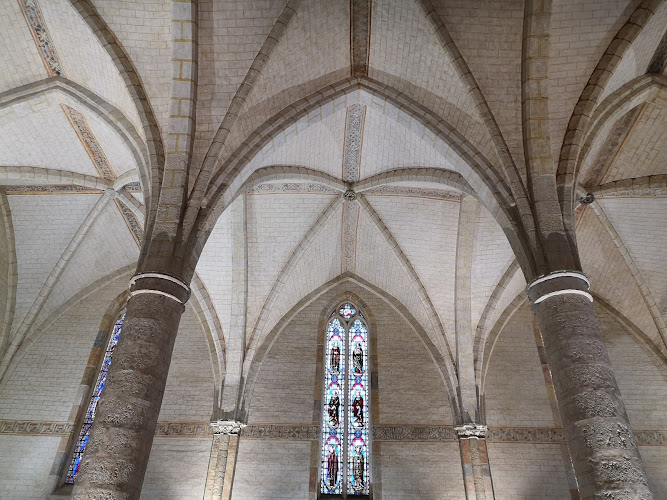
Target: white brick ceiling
314,52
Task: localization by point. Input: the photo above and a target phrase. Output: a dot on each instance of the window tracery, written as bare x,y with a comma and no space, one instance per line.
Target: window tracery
345,423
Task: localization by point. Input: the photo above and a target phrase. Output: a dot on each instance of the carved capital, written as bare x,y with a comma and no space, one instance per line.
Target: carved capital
227,427
467,431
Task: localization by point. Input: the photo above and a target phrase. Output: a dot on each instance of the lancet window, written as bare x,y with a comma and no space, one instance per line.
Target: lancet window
89,417
345,413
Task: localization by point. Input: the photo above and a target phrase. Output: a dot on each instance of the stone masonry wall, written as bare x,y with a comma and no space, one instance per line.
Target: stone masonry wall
410,392
515,392
527,471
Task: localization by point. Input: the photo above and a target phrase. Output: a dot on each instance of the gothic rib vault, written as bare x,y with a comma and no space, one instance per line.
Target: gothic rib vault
261,160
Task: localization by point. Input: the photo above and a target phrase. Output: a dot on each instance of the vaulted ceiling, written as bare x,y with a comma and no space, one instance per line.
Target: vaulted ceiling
75,148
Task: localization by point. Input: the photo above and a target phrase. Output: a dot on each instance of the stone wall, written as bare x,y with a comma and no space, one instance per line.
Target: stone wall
177,468
514,391
410,393
527,470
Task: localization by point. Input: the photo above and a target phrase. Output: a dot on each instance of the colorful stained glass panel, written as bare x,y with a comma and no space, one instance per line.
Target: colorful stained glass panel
333,423
88,419
347,311
358,392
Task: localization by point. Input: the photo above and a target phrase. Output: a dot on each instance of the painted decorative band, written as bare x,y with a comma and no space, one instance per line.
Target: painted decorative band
163,429
312,432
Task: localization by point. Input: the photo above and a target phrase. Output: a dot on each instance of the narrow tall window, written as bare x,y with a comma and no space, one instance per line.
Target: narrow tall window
345,422
89,417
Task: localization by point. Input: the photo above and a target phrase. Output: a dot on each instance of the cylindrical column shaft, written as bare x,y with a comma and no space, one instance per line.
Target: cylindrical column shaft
117,454
596,426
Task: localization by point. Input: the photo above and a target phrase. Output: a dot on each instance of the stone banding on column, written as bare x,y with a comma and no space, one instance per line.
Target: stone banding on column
558,283
160,284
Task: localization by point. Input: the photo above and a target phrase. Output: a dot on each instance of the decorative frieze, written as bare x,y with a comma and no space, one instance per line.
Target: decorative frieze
353,138
360,36
51,189
163,429
40,33
525,434
292,187
439,194
308,432
350,225
35,428
183,429
408,433
311,432
89,141
131,221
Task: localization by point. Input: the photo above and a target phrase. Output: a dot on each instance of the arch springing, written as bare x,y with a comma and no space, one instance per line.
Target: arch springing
345,409
89,417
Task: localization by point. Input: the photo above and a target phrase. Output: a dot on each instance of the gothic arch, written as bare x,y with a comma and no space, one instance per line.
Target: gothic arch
255,358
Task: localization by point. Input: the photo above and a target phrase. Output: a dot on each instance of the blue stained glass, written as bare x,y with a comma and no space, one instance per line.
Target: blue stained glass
345,424
347,311
332,447
88,419
357,445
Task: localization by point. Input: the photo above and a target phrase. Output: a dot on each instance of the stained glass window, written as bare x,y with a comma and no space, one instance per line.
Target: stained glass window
345,423
89,417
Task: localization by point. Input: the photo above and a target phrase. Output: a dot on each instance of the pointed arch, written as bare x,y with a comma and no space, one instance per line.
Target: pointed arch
255,357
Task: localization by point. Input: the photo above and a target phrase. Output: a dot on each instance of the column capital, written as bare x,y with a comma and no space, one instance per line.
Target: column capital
227,426
558,283
476,431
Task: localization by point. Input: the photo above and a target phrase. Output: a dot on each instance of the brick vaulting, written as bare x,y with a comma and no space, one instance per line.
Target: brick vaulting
485,180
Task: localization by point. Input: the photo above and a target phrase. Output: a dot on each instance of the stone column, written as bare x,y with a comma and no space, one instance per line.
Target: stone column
475,462
117,454
222,464
604,452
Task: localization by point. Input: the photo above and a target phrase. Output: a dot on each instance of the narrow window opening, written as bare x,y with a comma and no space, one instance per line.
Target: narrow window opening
89,417
345,415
